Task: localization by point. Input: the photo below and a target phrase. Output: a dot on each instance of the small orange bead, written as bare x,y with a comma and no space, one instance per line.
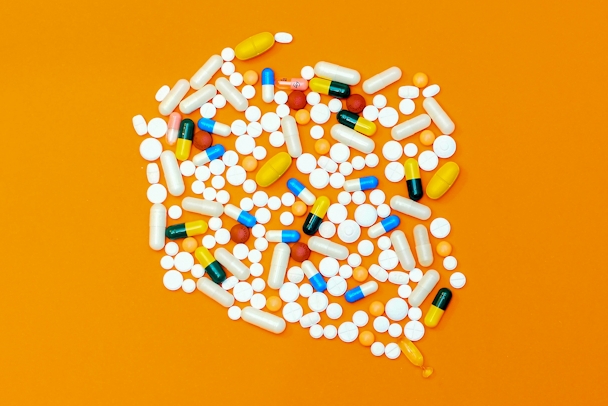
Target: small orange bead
420,80
250,77
366,338
274,303
427,137
299,209
250,163
444,249
376,308
189,244
302,117
360,274
322,147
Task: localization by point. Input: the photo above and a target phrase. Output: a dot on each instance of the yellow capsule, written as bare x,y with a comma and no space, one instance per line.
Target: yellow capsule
182,149
204,256
413,354
412,179
412,170
443,179
329,87
273,169
440,303
321,206
315,217
254,46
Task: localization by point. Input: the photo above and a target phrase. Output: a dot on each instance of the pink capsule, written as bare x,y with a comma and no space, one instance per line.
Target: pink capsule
173,128
293,84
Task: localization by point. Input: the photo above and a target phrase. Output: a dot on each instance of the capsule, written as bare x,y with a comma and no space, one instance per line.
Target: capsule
439,116
268,85
358,293
410,207
440,303
386,225
213,127
184,230
173,176
239,215
443,180
410,127
206,72
292,136
173,127
424,287
208,155
412,179
357,123
254,46
339,73
232,95
328,164
378,273
328,248
365,183
175,95
212,267
381,80
298,189
324,86
273,169
232,263
184,139
316,279
352,138
278,265
202,206
282,236
315,217
158,222
413,354
292,84
424,251
403,250
262,319
215,292
197,99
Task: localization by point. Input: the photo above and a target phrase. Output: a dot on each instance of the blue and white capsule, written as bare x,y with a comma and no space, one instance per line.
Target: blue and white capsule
366,183
315,278
239,215
213,127
268,85
360,292
285,236
386,225
297,188
208,155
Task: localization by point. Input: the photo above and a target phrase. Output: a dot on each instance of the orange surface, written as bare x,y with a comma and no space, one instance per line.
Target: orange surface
85,318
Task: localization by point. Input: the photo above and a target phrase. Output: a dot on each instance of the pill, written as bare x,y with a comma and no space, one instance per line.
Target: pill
234,265
289,292
410,127
327,164
348,332
140,125
242,292
297,99
254,46
213,127
352,138
371,113
291,84
244,144
298,189
365,248
320,113
444,146
210,154
440,304
232,95
158,222
377,348
157,127
206,72
360,292
184,230
407,106
201,206
318,301
398,277
210,265
442,180
278,265
382,80
396,309
268,87
365,183
336,286
424,287
410,207
292,137
458,280
379,101
409,92
240,215
376,308
346,271
285,236
357,123
327,229
349,231
264,320
450,263
424,251
366,215
184,139
292,312
440,227
339,153
381,324
329,87
414,330
152,173
197,99
315,217
334,311
413,354
403,250
310,319
215,292
338,73
346,168
438,115
203,140
150,149
329,267
386,225
173,176
428,161
313,275
273,169
378,273
295,273
174,97
328,248
392,150
431,90
239,233
427,137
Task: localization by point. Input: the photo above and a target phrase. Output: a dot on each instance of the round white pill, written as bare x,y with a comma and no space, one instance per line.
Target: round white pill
410,150
208,241
246,204
450,263
250,186
344,198
202,173
358,197
286,218
258,231
327,229
184,261
336,286
316,331
258,301
217,167
440,227
358,163
173,280
289,292
262,215
261,244
157,127
384,210
197,271
330,332
444,146
366,215
236,79
198,187
381,324
256,270
248,92
292,312
431,90
150,149
339,153
283,110
414,313
360,318
274,203
392,350
388,259
377,197
218,182
319,178
407,106
388,117
258,284
227,54
313,98
228,68
392,150
271,122
349,231
208,110
305,290
348,332
171,248
295,274
395,330
222,236
230,158
307,72
166,262
372,160
346,271
242,292
458,280
209,193
238,127
316,132
414,330
219,101
370,113
404,291
337,213
288,199
394,172
280,97
354,260
377,349
320,113
396,309
306,163
365,248
222,196
415,275
427,160
175,212
254,129
245,144
329,267
336,180
379,101
276,139
317,302
162,93
156,193
335,105
346,168
240,251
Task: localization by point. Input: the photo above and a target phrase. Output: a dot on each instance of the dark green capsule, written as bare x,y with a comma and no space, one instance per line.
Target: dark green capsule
442,299
186,129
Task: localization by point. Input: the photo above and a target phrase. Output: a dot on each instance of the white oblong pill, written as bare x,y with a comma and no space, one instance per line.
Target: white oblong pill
174,97
398,278
378,273
158,222
202,206
329,248
439,116
262,319
403,250
410,127
140,125
230,262
424,250
424,287
173,176
278,265
431,90
232,95
215,292
292,136
283,37
410,207
206,72
153,173
352,138
382,80
197,99
409,92
338,73
162,93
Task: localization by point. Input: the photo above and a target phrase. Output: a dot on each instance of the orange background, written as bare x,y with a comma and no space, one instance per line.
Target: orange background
85,318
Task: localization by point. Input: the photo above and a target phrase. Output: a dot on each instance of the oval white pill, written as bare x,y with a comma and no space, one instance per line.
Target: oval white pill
140,125
431,90
409,92
428,161
283,37
162,93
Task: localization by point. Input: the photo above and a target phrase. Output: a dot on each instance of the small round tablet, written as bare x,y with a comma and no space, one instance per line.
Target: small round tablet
198,187
202,173
458,280
335,105
358,197
330,332
372,160
428,161
346,168
320,113
410,150
197,271
184,261
236,79
450,263
230,158
256,270
245,144
370,113
171,248
248,92
173,280
258,301
288,199
249,185
407,106
319,178
280,97
295,274
313,98
286,218
166,262
283,110
262,215
377,197
414,313
150,149
260,198
318,301
365,248
289,292
394,172
337,213
305,290
444,146
329,267
316,132
274,203
348,332
395,330
292,312
366,215
209,193
414,330
360,318
336,180
240,251
219,101
271,122
259,153
208,110
175,212
316,331
238,127
354,260
307,72
346,271
208,241
396,309
246,204
392,151
242,292
440,227
228,68
415,275
156,193
227,54
388,117
276,139
306,163
377,349
157,127
222,236
344,198
379,101
388,259
336,286
340,153
384,210
392,350
218,182
258,231
349,231
358,163
327,229
381,324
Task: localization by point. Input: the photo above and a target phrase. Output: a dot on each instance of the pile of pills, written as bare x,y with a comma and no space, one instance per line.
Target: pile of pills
363,237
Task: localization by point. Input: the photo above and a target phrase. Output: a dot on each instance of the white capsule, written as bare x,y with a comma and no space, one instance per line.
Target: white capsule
410,207
424,250
438,115
202,206
173,176
262,319
206,72
410,127
215,292
233,264
278,265
398,278
328,164
378,273
268,93
424,287
175,96
368,288
328,248
292,137
158,222
382,80
197,99
307,197
153,173
409,92
338,73
232,95
403,250
352,138
274,236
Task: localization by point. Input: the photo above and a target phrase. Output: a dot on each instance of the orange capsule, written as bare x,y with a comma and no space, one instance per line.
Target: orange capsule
293,84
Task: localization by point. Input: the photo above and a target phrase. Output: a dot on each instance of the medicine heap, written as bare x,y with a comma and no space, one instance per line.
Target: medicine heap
221,271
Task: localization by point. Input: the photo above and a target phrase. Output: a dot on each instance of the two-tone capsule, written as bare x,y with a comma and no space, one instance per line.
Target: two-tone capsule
239,215
173,127
184,230
360,292
285,236
297,188
267,85
213,127
329,87
232,263
316,279
212,267
356,122
208,155
365,183
292,84
184,139
440,304
315,217
388,224
412,179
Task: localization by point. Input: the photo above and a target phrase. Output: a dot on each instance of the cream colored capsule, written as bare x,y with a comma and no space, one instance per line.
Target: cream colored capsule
403,250
424,250
410,127
175,95
158,222
173,176
278,265
206,72
262,319
424,287
439,116
197,99
382,80
202,206
292,136
337,73
232,95
410,207
215,292
232,263
352,138
328,248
